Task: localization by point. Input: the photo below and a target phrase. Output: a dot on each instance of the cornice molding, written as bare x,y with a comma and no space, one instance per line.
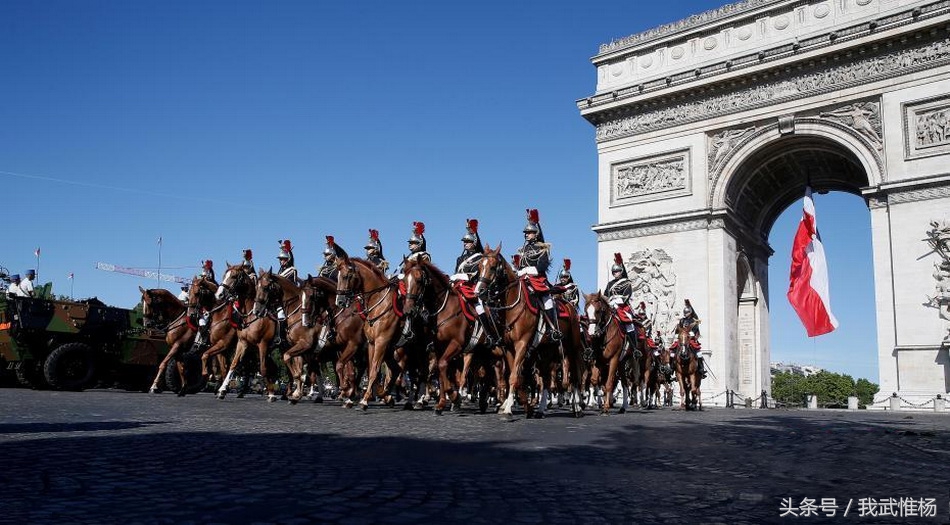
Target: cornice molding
782,87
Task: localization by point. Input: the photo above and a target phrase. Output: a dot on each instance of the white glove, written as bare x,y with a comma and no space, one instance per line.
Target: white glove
459,277
615,301
529,270
400,276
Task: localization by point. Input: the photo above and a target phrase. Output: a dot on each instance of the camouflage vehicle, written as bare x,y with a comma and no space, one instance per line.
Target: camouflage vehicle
72,345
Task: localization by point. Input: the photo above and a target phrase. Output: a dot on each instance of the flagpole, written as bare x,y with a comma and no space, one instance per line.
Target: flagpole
37,253
72,282
158,278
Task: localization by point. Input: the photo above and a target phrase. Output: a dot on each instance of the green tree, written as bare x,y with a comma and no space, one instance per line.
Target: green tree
865,390
832,389
788,387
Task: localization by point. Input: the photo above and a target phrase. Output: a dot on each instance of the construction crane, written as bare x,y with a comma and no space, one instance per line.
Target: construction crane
148,274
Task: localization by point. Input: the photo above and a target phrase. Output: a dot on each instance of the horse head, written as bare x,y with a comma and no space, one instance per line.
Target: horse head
236,284
269,293
349,283
159,306
598,313
682,343
493,270
315,295
417,282
201,294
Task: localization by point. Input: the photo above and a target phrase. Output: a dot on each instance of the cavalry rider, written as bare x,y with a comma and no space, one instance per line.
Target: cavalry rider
328,269
466,271
690,323
207,271
417,244
374,251
566,281
533,261
288,271
286,258
618,292
183,294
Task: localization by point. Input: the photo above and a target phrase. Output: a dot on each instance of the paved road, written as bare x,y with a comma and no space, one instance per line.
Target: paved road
115,457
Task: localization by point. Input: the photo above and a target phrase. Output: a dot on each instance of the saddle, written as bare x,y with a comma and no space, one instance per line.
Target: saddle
562,307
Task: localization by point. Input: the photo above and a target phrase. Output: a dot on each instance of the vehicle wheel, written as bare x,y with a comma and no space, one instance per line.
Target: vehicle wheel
30,375
70,367
196,383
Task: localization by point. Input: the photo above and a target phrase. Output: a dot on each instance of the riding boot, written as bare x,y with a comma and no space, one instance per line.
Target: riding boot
551,316
494,339
281,331
701,366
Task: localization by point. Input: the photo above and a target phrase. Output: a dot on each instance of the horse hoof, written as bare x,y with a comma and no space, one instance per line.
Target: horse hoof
407,406
622,411
221,395
271,398
438,411
539,415
154,390
364,405
391,402
182,393
292,401
239,396
605,412
318,400
348,404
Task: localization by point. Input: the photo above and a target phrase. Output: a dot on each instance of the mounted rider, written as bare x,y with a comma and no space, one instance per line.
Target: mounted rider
533,260
286,258
417,244
466,273
207,271
619,291
566,281
374,251
328,269
288,271
690,324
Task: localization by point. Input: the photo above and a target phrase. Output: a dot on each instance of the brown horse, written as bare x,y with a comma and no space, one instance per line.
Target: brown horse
255,329
318,305
428,287
607,341
274,292
222,334
162,310
524,334
362,282
687,371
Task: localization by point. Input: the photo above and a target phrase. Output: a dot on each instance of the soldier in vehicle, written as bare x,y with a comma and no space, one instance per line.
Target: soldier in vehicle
27,284
466,270
13,289
374,251
533,261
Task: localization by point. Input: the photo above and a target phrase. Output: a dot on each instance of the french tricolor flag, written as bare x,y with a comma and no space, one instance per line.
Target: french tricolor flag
808,279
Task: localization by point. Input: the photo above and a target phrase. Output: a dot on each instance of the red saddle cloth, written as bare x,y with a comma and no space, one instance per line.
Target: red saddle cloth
693,343
625,313
537,283
465,289
563,309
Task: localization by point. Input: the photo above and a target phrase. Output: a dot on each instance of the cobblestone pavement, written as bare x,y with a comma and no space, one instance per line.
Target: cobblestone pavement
115,457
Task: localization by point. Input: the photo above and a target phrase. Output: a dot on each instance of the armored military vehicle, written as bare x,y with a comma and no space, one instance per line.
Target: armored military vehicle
72,345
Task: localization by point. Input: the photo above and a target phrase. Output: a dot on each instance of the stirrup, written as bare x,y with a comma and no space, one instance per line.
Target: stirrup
556,335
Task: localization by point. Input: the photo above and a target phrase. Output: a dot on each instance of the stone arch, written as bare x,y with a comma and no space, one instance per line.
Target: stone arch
836,157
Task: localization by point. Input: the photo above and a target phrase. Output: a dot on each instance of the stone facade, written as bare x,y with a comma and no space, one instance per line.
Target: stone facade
708,126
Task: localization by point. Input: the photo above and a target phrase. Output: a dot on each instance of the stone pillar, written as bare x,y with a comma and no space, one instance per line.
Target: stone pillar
852,403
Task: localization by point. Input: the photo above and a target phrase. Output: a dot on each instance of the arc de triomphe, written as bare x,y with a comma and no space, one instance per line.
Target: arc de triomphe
708,128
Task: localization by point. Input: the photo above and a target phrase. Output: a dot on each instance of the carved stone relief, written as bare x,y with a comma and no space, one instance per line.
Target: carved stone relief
650,178
927,128
863,117
654,282
788,86
938,238
724,142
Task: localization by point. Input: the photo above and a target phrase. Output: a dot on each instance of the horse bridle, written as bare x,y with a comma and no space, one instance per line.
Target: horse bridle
345,287
309,295
240,283
265,298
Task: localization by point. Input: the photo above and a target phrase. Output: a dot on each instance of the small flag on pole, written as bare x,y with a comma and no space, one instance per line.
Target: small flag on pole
159,241
37,251
808,279
70,275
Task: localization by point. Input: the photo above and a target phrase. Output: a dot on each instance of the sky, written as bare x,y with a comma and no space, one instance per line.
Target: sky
220,126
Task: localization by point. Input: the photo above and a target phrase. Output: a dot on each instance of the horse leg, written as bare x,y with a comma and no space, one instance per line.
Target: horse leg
161,369
682,382
610,384
375,351
463,376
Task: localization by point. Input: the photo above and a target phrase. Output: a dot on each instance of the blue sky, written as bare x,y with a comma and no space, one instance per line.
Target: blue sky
221,126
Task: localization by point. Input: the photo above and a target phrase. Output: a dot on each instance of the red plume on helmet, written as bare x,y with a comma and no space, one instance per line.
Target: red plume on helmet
248,254
533,215
418,228
567,264
472,225
285,244
208,264
618,259
374,234
643,305
618,265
